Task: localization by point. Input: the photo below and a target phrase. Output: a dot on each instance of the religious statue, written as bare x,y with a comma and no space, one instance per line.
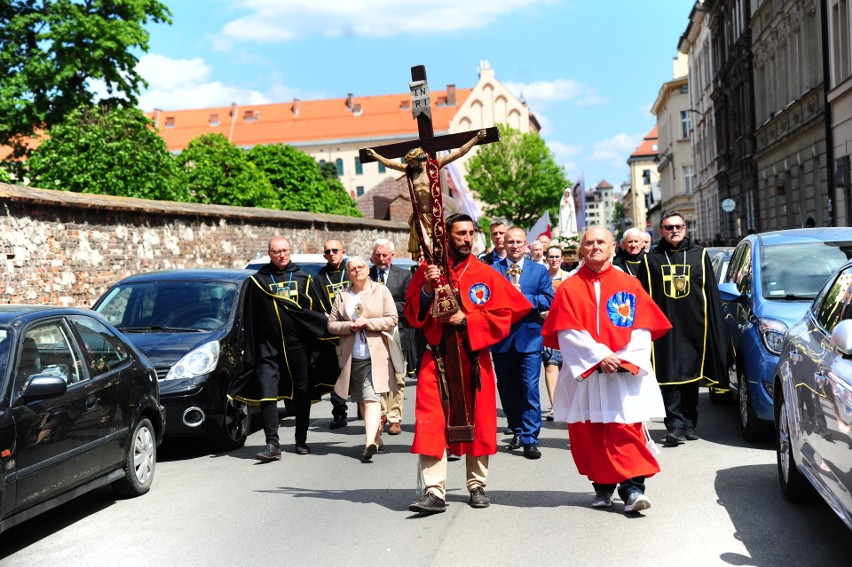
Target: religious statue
421,171
567,214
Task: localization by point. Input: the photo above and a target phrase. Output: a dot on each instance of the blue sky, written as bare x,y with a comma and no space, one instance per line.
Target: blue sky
589,69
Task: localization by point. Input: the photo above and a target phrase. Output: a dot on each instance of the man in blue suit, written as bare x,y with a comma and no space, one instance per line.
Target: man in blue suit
517,359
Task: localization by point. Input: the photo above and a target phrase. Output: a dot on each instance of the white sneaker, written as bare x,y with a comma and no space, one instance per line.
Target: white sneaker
602,500
636,502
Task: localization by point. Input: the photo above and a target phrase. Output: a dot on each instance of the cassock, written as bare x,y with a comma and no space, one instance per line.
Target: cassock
287,341
491,304
594,315
629,263
682,283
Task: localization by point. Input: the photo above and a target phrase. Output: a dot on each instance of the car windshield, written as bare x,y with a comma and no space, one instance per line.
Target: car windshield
169,306
798,270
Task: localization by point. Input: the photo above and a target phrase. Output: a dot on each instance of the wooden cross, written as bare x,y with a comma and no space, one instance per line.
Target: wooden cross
420,108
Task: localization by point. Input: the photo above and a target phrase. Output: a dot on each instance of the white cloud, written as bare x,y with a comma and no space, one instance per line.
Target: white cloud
175,84
272,21
540,94
563,151
617,149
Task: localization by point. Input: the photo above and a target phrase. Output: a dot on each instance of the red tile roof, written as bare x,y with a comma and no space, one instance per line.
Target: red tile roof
306,122
648,147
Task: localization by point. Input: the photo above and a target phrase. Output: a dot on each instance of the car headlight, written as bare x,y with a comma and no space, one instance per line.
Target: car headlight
199,362
772,334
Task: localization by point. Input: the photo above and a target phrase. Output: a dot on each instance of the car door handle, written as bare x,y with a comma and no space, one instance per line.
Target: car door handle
91,402
795,357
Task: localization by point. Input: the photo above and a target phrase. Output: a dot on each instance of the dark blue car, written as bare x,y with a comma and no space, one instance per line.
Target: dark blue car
772,279
189,323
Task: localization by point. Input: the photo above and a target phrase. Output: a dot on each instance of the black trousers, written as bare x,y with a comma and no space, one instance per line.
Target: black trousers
298,364
625,487
681,403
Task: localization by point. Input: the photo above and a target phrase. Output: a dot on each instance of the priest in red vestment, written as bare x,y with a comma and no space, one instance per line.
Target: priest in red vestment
603,321
489,306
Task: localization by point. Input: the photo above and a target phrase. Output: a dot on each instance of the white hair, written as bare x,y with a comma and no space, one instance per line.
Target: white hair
383,242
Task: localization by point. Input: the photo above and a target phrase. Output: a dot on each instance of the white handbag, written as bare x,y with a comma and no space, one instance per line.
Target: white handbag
395,350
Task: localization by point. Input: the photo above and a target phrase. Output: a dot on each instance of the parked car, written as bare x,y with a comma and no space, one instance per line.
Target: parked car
772,279
813,400
189,323
79,409
720,258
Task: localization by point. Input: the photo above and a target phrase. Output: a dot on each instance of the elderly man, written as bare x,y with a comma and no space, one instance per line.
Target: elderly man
498,233
679,277
331,280
489,306
629,255
537,252
603,322
517,359
396,280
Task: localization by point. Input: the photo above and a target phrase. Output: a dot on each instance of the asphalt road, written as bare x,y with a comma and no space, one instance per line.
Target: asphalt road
716,502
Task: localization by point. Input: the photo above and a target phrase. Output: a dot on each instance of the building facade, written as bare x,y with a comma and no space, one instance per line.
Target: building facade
840,106
643,192
600,205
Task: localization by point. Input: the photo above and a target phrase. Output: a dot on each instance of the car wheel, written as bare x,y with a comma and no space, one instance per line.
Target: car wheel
235,425
750,426
140,462
794,485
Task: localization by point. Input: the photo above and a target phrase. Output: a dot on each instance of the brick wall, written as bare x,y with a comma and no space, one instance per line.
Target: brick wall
67,248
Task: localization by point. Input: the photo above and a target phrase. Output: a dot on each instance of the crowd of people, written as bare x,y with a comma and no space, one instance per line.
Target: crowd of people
596,319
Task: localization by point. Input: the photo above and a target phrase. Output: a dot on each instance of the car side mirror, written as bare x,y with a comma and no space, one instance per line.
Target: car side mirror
841,336
729,291
43,386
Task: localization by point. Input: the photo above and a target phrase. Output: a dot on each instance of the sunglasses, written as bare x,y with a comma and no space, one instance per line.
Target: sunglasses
331,251
673,227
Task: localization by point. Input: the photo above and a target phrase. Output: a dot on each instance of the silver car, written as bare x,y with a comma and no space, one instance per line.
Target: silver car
813,400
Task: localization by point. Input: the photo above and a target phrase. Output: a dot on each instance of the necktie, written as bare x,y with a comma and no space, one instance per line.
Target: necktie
382,277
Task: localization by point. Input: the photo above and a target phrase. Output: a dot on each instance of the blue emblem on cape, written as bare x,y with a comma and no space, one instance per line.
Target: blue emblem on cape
479,293
621,309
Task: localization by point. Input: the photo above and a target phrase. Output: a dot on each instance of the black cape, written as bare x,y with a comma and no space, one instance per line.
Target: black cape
629,263
280,316
681,283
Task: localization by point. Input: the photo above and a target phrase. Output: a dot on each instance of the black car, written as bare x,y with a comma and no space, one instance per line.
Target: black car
189,323
79,409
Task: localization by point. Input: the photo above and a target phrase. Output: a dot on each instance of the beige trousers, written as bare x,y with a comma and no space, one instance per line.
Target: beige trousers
435,473
392,402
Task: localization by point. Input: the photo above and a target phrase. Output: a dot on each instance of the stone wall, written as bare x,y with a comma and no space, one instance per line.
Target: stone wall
66,248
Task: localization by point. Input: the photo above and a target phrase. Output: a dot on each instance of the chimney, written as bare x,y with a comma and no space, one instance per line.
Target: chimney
157,113
233,114
451,95
295,107
349,101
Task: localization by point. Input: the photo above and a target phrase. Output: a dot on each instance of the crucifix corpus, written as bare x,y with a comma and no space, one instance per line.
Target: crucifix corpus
429,239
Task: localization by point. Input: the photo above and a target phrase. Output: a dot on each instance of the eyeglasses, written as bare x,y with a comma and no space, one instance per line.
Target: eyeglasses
331,251
673,227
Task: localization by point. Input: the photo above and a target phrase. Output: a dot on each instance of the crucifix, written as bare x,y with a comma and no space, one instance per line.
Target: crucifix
459,380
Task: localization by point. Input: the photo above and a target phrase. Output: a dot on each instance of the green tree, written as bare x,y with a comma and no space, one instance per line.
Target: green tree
50,50
517,178
107,151
300,181
218,172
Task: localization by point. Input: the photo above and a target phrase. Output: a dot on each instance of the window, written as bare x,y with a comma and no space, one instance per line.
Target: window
105,351
359,191
213,120
688,179
359,169
382,167
46,350
739,271
251,115
834,306
339,163
170,121
685,124
646,176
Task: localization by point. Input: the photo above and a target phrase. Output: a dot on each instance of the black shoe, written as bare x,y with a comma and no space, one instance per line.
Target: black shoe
690,434
429,504
302,449
271,453
337,423
531,451
508,431
675,437
515,443
478,499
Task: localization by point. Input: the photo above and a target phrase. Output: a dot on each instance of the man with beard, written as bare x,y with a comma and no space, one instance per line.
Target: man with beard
416,163
489,307
283,333
679,277
629,256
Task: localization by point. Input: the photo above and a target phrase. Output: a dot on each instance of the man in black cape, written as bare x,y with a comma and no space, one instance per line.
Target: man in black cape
287,343
679,277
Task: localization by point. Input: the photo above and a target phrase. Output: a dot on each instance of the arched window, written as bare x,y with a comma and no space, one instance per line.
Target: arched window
339,163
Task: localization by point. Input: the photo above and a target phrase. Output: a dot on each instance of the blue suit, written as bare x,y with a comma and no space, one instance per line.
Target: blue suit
517,359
